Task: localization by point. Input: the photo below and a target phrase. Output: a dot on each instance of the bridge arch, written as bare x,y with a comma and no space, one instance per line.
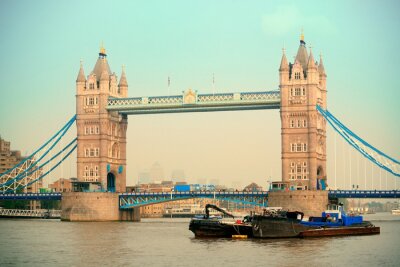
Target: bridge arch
111,182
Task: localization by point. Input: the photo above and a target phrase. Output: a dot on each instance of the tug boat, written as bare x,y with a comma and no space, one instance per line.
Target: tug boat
335,222
212,226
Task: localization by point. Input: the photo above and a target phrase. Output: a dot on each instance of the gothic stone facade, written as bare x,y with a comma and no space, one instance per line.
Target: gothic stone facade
101,154
303,86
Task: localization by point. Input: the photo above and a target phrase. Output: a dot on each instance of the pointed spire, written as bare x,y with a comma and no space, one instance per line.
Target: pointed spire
104,76
81,74
311,61
122,81
284,63
321,68
302,56
101,64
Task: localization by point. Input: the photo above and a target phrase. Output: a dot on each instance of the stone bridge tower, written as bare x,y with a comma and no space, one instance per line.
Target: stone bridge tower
303,86
101,153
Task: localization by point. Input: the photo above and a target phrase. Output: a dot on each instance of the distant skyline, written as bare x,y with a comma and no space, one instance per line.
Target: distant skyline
239,43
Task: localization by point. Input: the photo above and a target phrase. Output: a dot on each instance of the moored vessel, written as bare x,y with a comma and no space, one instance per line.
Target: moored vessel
209,226
278,224
396,212
333,222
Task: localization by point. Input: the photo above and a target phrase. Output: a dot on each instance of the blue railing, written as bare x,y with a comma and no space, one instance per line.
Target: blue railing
364,194
31,196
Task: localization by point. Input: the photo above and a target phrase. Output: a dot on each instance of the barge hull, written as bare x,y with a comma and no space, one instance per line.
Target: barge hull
341,231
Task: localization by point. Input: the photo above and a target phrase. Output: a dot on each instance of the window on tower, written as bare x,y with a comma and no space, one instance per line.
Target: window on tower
297,75
298,147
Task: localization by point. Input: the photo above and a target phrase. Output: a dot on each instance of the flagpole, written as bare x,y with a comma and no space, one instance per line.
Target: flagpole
213,82
169,82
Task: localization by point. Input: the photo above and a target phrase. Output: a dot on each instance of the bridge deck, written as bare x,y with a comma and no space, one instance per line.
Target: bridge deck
192,102
195,194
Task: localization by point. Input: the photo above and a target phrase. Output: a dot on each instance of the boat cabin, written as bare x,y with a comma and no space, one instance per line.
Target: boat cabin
334,216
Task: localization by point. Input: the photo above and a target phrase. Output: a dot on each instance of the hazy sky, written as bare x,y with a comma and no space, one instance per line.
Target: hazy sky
42,43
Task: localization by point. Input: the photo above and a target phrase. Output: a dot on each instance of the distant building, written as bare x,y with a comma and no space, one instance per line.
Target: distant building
214,182
178,175
144,177
253,187
9,158
156,172
62,185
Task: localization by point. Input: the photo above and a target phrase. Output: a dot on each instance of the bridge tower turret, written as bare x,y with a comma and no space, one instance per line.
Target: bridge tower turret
303,86
101,153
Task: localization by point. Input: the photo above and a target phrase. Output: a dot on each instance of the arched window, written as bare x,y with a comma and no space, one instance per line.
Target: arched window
115,150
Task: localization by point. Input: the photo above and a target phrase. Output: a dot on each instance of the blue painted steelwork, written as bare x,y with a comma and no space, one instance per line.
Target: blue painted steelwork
363,194
376,156
131,200
28,171
31,196
65,127
197,103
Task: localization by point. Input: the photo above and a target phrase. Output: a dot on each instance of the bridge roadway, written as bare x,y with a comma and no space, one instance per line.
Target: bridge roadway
129,200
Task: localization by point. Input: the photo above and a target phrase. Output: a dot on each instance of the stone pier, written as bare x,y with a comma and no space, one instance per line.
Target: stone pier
95,207
311,202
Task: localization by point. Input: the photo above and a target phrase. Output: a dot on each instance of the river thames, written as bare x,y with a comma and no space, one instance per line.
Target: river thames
168,242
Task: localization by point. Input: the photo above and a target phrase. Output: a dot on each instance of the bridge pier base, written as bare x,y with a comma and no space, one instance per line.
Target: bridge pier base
311,202
94,207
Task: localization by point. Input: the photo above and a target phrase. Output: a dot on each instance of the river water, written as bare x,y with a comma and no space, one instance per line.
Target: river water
168,242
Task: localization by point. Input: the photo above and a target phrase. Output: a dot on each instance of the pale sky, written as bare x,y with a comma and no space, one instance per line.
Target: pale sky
42,43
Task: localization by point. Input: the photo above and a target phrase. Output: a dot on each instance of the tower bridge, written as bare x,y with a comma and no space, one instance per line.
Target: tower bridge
102,109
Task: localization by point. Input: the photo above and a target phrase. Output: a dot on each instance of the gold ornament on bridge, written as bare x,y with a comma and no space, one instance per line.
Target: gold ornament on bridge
189,97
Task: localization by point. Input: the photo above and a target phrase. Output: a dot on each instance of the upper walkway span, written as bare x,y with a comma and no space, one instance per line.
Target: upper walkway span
190,101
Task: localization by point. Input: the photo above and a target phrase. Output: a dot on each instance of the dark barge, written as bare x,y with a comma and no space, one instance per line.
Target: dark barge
207,226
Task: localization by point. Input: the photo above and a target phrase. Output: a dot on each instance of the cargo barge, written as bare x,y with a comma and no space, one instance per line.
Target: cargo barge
211,226
333,222
277,223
